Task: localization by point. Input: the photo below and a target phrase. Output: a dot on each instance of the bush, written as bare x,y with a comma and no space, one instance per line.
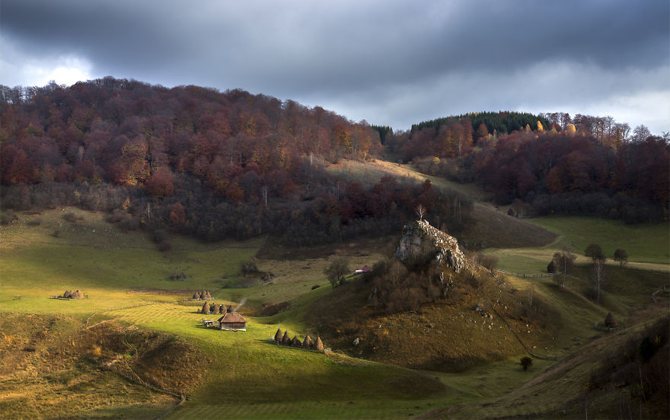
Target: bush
489,261
165,246
8,217
71,217
160,236
551,267
248,267
526,362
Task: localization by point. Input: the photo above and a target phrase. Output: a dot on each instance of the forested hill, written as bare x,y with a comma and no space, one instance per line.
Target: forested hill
196,161
495,122
548,163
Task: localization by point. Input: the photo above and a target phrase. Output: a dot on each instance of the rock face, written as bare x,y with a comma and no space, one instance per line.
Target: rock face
420,237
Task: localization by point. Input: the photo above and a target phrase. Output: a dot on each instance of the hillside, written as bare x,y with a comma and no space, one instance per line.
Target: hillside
436,310
56,366
127,279
615,376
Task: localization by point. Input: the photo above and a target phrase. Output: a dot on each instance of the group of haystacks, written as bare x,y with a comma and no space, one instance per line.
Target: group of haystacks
178,276
286,340
213,308
202,295
72,295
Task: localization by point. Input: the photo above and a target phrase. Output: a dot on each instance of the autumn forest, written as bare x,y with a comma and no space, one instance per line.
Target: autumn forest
215,165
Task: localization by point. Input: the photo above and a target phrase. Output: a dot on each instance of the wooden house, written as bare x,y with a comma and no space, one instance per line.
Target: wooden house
232,321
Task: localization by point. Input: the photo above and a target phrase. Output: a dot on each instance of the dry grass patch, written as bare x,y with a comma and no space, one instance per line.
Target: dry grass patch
50,367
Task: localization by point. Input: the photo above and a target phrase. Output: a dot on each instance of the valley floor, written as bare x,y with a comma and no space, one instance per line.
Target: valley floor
53,364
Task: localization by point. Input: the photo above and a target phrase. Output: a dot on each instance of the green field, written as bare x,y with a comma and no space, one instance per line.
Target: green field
644,243
648,246
127,280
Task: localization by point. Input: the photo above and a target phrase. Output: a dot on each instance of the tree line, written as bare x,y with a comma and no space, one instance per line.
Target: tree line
555,164
201,162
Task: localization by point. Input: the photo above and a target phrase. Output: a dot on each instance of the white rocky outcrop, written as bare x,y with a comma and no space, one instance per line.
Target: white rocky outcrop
419,234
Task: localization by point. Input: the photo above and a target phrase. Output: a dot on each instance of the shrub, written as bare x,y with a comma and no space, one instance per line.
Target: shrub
70,217
160,236
489,261
526,362
621,256
248,267
8,217
551,267
165,246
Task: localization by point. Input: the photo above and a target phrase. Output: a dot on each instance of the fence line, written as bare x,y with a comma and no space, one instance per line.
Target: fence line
523,275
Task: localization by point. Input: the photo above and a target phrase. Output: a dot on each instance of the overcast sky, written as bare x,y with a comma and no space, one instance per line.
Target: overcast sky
388,62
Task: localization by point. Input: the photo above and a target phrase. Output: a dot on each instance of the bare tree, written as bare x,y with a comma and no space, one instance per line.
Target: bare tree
598,275
420,211
563,261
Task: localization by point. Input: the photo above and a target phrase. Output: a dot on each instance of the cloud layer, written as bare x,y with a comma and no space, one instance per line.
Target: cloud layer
390,62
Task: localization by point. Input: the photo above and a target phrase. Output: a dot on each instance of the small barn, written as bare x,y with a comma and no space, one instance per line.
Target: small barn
232,321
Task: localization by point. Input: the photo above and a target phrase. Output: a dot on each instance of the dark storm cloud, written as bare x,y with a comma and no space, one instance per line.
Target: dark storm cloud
345,51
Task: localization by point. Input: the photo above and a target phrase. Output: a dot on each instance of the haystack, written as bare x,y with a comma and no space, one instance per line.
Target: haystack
286,340
307,344
296,342
318,346
610,322
278,336
205,294
213,307
67,294
222,309
205,308
77,295
196,296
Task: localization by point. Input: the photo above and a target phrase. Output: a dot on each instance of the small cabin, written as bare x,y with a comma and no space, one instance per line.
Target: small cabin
232,321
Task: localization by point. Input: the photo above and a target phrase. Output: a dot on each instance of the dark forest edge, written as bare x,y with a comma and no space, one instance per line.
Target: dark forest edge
201,162
548,163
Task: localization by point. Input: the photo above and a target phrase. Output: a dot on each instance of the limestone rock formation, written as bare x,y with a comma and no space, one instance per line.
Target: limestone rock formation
420,237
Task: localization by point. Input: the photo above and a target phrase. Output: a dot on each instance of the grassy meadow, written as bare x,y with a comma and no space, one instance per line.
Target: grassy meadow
648,246
127,280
